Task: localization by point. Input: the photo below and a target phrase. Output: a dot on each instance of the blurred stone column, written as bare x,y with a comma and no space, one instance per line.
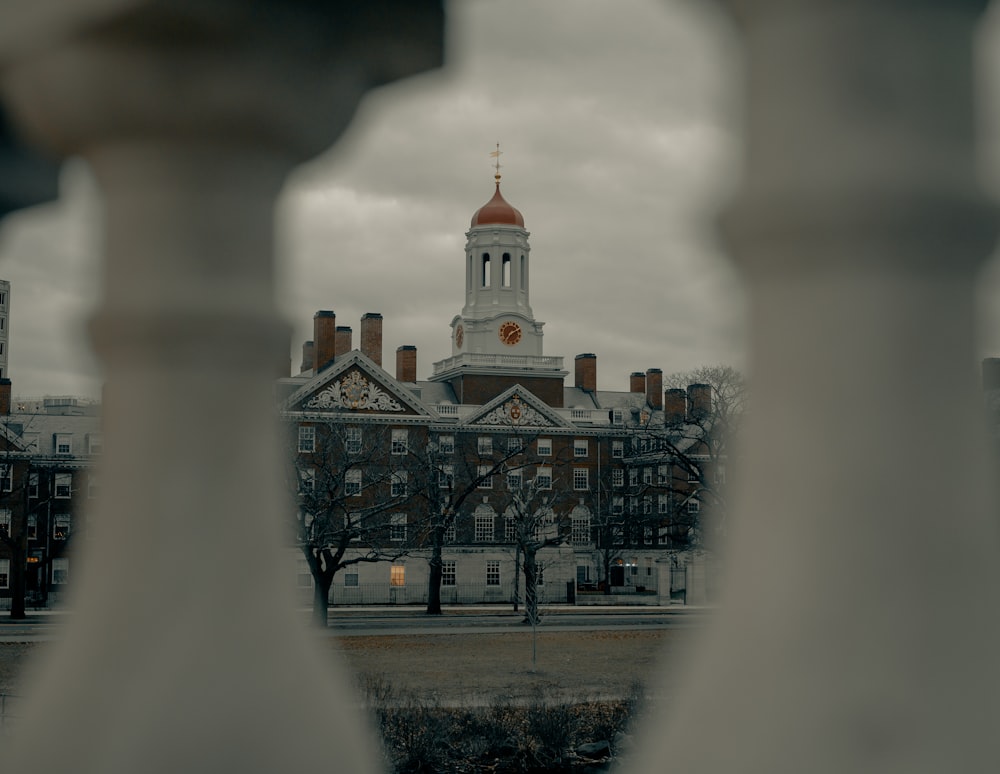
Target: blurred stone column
859,630
183,653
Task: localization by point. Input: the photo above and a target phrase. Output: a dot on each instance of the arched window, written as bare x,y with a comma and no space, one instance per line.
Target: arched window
486,270
505,271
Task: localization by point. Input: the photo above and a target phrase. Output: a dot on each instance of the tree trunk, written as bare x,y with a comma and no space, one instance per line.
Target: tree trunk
434,580
321,599
530,586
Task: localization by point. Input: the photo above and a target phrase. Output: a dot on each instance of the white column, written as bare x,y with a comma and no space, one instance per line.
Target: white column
184,653
859,631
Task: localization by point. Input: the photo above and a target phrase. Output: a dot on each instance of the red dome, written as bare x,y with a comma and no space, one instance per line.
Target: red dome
497,210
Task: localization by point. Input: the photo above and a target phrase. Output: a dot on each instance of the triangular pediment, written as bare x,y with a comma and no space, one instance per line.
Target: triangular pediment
517,407
355,384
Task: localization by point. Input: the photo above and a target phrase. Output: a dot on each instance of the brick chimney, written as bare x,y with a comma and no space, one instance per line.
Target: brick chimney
637,382
371,336
675,406
324,333
406,363
308,353
5,389
699,401
654,388
342,340
586,372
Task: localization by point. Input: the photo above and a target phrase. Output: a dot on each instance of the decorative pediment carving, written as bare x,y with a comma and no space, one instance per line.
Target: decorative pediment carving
355,393
514,412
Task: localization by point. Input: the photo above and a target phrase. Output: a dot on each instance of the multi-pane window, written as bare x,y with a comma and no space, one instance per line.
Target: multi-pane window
492,572
580,479
398,485
63,485
4,573
617,505
351,579
63,443
448,572
446,444
397,527
543,477
307,480
484,527
580,534
544,447
662,474
352,482
5,519
617,449
580,448
6,477
397,575
617,477
693,474
514,444
617,417
60,526
663,503
449,533
60,571
446,476
352,440
32,485
509,529
693,506
633,477
514,480
399,441
486,480
647,475
484,445
32,526
307,438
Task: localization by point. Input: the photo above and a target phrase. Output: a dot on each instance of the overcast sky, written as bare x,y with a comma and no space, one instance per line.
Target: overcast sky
618,125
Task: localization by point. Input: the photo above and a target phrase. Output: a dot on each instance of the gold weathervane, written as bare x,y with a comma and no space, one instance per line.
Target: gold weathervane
496,155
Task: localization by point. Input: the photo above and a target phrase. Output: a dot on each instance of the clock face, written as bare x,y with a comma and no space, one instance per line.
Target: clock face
459,336
509,333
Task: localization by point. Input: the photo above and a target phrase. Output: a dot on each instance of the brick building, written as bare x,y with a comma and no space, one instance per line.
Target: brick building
623,476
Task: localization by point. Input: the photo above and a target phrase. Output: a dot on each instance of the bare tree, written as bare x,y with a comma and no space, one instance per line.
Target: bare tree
349,497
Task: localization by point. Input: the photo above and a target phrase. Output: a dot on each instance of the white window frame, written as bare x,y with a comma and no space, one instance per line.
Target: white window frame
62,486
446,476
32,526
663,475
61,525
543,478
647,475
617,416
353,440
581,479
95,443
663,503
398,483
617,477
397,527
352,483
515,444
307,439
449,572
617,450
33,484
580,531
400,441
484,446
446,444
487,482
581,449
515,480
62,443
509,528
6,519
693,506
307,480
485,527
492,572
617,505
544,447
633,477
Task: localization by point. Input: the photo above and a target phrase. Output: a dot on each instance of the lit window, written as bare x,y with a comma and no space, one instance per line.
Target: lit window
580,479
63,443
399,441
580,448
64,484
352,483
544,447
493,572
617,449
60,526
543,477
484,445
307,438
397,575
352,440
448,572
397,529
618,477
399,479
484,527
483,473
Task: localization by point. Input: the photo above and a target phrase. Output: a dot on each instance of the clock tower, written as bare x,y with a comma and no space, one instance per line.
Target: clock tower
496,339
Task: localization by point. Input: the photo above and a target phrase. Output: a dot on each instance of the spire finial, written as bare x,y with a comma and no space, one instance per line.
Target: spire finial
496,154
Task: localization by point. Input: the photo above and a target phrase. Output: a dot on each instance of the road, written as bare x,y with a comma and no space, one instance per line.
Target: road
387,621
